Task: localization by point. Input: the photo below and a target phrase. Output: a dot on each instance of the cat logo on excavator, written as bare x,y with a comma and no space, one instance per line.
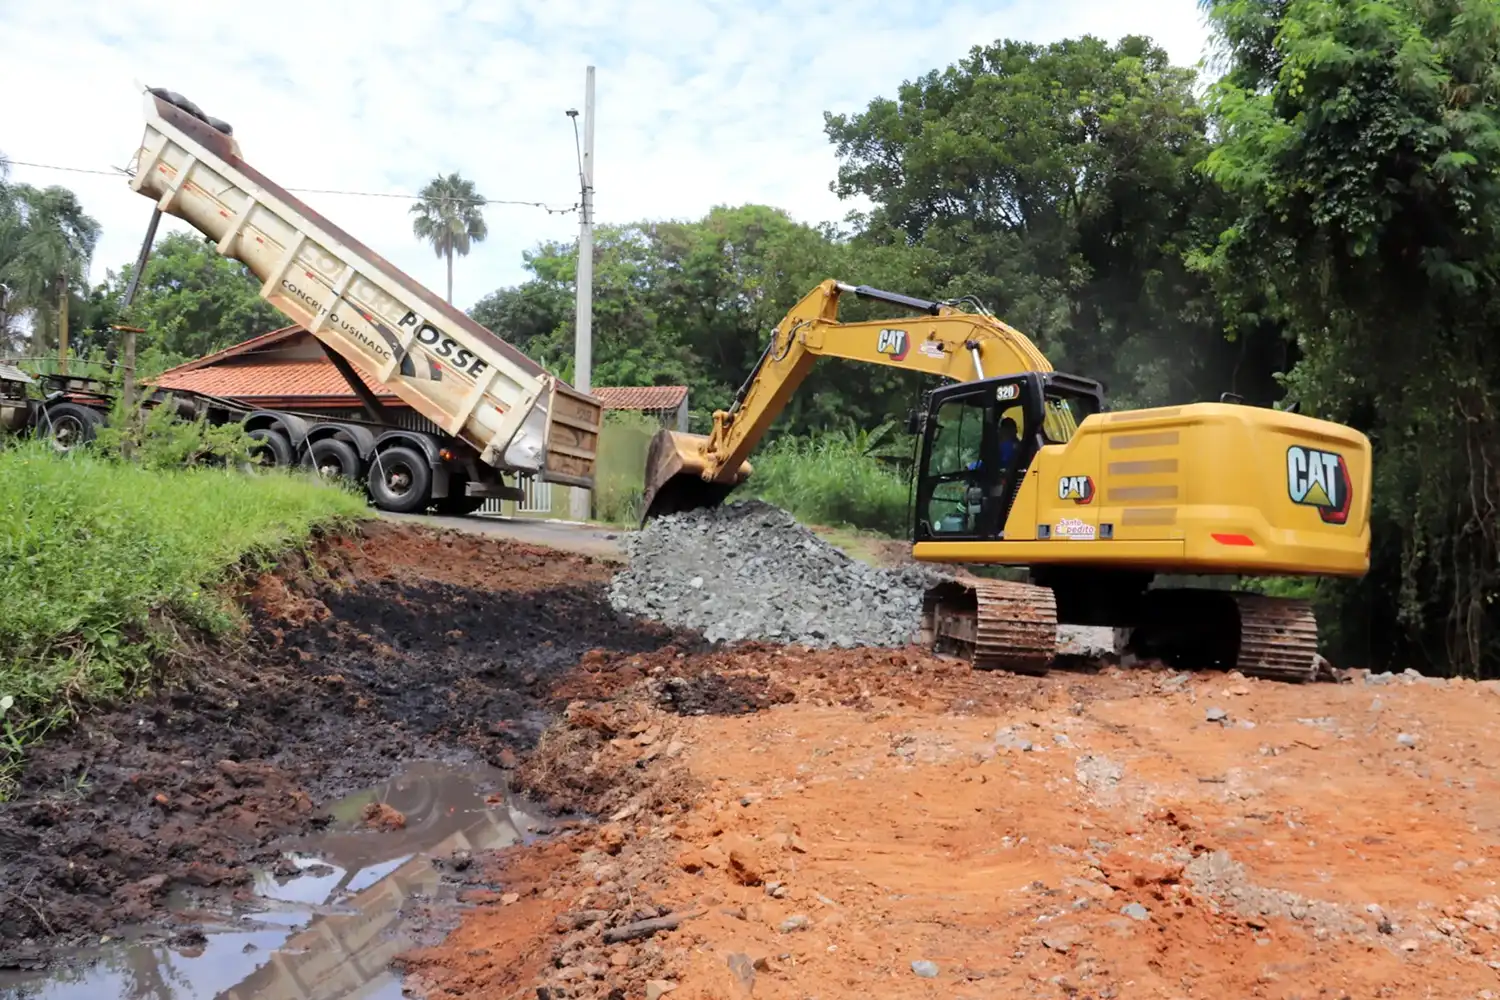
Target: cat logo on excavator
1079,489
892,342
1319,479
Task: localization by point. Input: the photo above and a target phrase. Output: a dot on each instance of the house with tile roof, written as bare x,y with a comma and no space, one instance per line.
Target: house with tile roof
287,369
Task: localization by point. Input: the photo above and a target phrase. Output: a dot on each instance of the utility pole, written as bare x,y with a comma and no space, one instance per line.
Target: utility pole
127,386
583,335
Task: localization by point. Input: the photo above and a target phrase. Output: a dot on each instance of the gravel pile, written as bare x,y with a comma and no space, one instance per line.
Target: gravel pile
748,570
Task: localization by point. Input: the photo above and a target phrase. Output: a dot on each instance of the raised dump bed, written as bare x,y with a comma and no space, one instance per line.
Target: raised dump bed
462,377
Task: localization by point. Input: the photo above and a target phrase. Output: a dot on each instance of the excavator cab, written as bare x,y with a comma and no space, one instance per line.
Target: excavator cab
978,441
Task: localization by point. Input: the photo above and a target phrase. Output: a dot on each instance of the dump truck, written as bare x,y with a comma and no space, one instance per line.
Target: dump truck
496,412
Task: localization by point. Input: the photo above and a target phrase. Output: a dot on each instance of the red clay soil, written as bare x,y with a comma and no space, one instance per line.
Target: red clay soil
875,817
395,644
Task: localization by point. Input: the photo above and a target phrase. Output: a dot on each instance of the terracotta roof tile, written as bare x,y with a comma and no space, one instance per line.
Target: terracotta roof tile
243,347
640,397
269,380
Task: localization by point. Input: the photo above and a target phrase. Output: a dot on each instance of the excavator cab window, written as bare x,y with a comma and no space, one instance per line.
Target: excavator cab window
978,441
1063,411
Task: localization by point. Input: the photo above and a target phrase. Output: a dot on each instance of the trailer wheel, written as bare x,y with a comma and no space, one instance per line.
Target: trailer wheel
273,447
335,459
69,425
400,480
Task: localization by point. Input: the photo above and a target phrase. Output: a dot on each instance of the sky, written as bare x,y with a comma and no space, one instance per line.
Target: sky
697,103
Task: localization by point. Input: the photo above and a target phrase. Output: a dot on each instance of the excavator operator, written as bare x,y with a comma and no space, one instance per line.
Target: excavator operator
1009,438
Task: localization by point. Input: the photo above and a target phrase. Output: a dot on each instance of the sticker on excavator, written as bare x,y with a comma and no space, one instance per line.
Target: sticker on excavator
1319,479
1004,392
893,343
1072,527
931,348
1079,489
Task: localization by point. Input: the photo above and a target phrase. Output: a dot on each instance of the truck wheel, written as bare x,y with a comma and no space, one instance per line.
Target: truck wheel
335,459
273,447
400,480
70,425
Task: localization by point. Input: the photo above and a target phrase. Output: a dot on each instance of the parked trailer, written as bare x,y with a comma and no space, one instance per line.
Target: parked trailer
499,412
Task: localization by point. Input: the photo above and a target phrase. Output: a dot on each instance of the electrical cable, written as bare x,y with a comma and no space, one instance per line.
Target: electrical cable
118,172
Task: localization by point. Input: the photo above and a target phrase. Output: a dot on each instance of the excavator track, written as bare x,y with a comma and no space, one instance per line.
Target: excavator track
994,624
1278,638
1190,628
999,625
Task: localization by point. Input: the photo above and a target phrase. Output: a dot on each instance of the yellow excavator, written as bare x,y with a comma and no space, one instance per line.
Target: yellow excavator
1019,465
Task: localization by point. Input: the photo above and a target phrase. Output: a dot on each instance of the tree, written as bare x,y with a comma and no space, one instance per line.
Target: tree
450,217
694,303
1361,148
10,244
46,241
1055,183
191,300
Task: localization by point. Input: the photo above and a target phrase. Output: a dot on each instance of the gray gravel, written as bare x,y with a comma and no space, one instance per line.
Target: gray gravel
748,570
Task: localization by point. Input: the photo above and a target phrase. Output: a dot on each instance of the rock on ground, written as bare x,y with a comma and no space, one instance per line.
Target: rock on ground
748,570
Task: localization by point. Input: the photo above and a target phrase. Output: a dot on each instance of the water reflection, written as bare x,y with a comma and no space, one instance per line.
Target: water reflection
327,934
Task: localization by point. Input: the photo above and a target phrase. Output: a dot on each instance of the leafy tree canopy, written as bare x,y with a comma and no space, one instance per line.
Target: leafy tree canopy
1361,148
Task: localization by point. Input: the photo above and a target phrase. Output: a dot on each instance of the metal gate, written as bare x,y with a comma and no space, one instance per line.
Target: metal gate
538,498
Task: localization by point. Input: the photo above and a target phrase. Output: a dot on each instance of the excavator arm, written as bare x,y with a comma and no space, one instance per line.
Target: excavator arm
685,471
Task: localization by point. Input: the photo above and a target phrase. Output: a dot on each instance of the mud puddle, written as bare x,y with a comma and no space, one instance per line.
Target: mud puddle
327,920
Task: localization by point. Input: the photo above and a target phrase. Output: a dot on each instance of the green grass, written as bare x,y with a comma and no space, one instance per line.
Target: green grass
829,480
620,476
96,555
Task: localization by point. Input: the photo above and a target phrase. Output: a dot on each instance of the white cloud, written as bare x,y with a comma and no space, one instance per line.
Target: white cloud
698,104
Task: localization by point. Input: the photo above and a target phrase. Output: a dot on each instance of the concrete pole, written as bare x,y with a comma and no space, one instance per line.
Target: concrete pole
583,346
583,336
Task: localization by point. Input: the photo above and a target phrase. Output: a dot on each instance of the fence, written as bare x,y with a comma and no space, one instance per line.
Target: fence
537,499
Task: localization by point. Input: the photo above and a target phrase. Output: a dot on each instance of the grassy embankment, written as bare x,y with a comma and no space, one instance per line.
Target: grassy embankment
96,556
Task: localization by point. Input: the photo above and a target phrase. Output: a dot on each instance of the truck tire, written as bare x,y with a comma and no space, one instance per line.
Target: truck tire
335,459
69,425
400,480
273,446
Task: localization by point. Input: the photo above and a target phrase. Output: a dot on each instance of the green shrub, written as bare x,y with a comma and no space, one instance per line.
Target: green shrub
833,479
97,555
159,439
620,476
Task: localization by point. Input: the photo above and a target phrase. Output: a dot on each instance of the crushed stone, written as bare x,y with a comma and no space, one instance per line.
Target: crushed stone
749,571
1218,876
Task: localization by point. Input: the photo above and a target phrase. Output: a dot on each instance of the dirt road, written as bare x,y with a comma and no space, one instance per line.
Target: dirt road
892,826
581,539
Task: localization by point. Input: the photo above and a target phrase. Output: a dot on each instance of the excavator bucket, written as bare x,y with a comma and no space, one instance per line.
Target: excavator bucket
674,476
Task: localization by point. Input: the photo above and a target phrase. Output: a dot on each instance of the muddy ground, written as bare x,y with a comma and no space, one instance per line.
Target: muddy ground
775,822
399,644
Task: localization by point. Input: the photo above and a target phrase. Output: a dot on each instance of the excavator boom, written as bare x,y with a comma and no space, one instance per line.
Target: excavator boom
687,471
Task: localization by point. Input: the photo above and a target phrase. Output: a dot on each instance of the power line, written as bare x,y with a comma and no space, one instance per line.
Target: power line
118,172
72,170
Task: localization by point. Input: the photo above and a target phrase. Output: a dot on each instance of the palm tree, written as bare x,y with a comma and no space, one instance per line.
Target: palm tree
449,217
51,240
10,242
